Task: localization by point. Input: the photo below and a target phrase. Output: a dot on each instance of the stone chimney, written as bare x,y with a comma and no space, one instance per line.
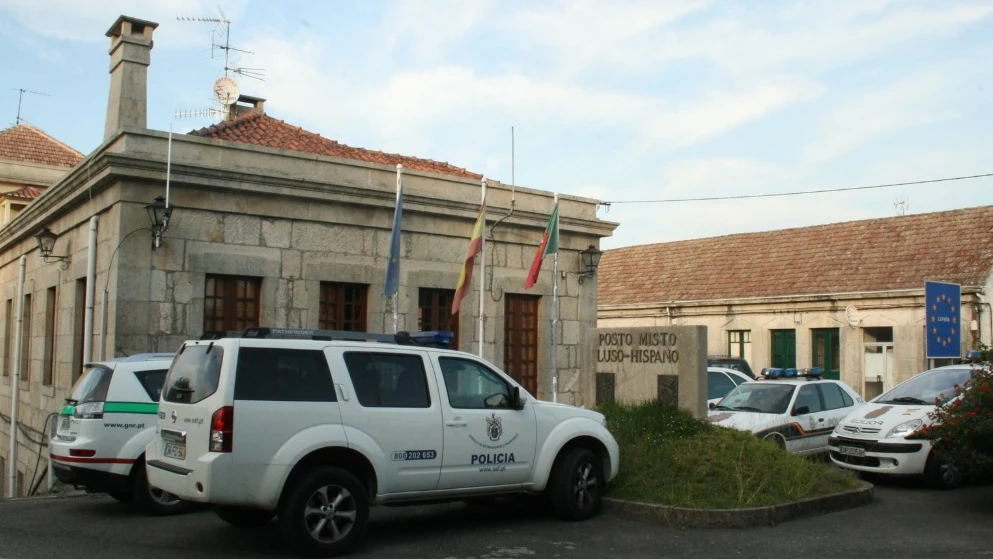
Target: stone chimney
130,54
245,105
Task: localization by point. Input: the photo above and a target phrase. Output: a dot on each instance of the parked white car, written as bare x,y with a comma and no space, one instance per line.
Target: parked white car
880,438
721,380
315,427
797,413
99,443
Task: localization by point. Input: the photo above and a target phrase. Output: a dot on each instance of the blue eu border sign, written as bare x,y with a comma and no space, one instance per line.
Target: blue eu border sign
943,309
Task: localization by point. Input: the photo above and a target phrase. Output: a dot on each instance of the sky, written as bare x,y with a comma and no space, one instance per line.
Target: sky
626,102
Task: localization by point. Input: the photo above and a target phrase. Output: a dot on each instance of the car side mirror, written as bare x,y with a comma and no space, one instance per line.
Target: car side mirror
517,402
712,405
801,410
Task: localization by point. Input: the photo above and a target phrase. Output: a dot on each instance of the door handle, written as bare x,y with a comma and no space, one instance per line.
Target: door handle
821,420
456,423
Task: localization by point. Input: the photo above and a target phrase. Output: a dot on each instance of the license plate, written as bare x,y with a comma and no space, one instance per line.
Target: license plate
175,450
64,423
852,451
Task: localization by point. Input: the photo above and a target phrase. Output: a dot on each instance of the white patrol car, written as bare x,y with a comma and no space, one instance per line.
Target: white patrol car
797,410
317,429
101,434
721,380
880,438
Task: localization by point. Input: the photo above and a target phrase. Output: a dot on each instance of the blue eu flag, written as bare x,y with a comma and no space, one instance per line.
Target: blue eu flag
393,267
943,309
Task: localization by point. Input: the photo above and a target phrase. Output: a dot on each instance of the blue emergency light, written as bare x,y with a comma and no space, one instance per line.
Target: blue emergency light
438,338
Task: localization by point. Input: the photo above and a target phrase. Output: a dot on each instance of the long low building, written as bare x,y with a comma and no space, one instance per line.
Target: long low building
846,297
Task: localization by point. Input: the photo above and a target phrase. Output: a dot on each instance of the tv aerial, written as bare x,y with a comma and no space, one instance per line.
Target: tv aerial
226,89
20,97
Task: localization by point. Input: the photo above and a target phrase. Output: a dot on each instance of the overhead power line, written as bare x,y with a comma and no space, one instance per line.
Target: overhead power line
798,193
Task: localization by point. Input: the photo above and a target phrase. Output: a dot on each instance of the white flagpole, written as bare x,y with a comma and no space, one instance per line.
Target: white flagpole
396,296
482,270
555,311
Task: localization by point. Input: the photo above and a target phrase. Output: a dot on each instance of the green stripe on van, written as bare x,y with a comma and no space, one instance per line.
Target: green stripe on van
130,407
68,410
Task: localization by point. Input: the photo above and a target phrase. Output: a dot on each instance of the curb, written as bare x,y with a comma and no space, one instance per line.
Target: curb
680,517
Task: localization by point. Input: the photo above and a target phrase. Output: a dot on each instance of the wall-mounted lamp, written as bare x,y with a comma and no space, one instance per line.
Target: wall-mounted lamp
590,259
159,215
46,242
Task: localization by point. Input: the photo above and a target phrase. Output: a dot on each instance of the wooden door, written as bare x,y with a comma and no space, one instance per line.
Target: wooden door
520,340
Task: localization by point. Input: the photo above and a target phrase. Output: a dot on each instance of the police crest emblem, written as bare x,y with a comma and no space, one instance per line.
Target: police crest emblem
494,427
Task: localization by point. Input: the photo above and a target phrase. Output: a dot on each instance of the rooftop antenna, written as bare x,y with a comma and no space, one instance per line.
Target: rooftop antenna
226,89
901,205
20,96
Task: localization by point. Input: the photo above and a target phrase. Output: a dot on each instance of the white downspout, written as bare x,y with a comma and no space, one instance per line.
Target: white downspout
91,273
15,385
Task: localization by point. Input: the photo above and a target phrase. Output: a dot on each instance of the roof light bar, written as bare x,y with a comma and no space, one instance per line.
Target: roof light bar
431,338
772,373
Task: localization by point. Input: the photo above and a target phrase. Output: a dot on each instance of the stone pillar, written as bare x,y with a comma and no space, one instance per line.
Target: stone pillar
130,54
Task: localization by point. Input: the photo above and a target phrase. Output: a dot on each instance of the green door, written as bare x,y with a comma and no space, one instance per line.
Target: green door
827,351
784,348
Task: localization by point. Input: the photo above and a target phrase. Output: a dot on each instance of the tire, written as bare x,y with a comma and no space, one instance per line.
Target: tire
152,501
776,439
577,484
122,496
941,476
324,512
244,517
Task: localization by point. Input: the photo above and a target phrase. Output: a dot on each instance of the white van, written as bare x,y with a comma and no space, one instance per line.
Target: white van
882,437
99,443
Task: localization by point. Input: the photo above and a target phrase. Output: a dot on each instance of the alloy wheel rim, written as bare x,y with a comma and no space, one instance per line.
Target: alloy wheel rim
585,486
163,497
329,514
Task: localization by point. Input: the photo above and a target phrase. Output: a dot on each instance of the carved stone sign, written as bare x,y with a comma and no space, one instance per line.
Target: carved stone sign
665,364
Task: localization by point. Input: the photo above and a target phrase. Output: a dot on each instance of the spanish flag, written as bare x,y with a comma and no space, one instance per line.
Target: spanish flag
475,245
549,245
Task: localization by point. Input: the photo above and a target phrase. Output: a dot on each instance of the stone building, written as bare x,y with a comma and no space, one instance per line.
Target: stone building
30,161
846,297
271,225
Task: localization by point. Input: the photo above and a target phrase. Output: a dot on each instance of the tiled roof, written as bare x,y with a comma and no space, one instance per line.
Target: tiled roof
857,256
26,193
26,143
262,130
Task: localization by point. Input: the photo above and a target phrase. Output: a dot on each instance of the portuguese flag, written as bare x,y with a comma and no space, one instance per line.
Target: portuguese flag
475,245
549,245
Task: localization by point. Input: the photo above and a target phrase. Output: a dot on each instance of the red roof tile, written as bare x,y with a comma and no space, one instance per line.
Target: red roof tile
262,130
858,256
26,143
26,193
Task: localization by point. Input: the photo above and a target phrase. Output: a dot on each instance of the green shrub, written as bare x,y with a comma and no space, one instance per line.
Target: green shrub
963,425
669,457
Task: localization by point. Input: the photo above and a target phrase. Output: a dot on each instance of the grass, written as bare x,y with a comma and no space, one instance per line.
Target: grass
669,457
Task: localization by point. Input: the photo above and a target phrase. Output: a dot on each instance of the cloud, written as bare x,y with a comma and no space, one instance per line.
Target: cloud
88,20
859,118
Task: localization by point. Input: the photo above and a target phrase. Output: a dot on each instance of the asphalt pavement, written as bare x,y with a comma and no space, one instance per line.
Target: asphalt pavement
905,521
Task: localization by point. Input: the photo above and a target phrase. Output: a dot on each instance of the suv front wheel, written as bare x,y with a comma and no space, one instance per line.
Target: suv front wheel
324,513
577,485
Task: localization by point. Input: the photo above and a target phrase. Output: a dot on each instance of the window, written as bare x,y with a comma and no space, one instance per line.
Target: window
26,339
434,312
152,382
388,380
808,396
230,303
827,351
473,386
783,348
8,334
740,344
194,373
48,366
718,385
79,308
279,375
835,397
343,306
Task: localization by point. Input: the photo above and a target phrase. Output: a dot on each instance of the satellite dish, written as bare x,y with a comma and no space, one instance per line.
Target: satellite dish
226,90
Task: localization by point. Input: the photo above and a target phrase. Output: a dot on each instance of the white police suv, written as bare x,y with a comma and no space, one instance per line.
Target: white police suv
796,409
314,427
101,434
882,437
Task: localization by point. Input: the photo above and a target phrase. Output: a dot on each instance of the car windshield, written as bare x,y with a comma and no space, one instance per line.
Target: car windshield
928,386
758,397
